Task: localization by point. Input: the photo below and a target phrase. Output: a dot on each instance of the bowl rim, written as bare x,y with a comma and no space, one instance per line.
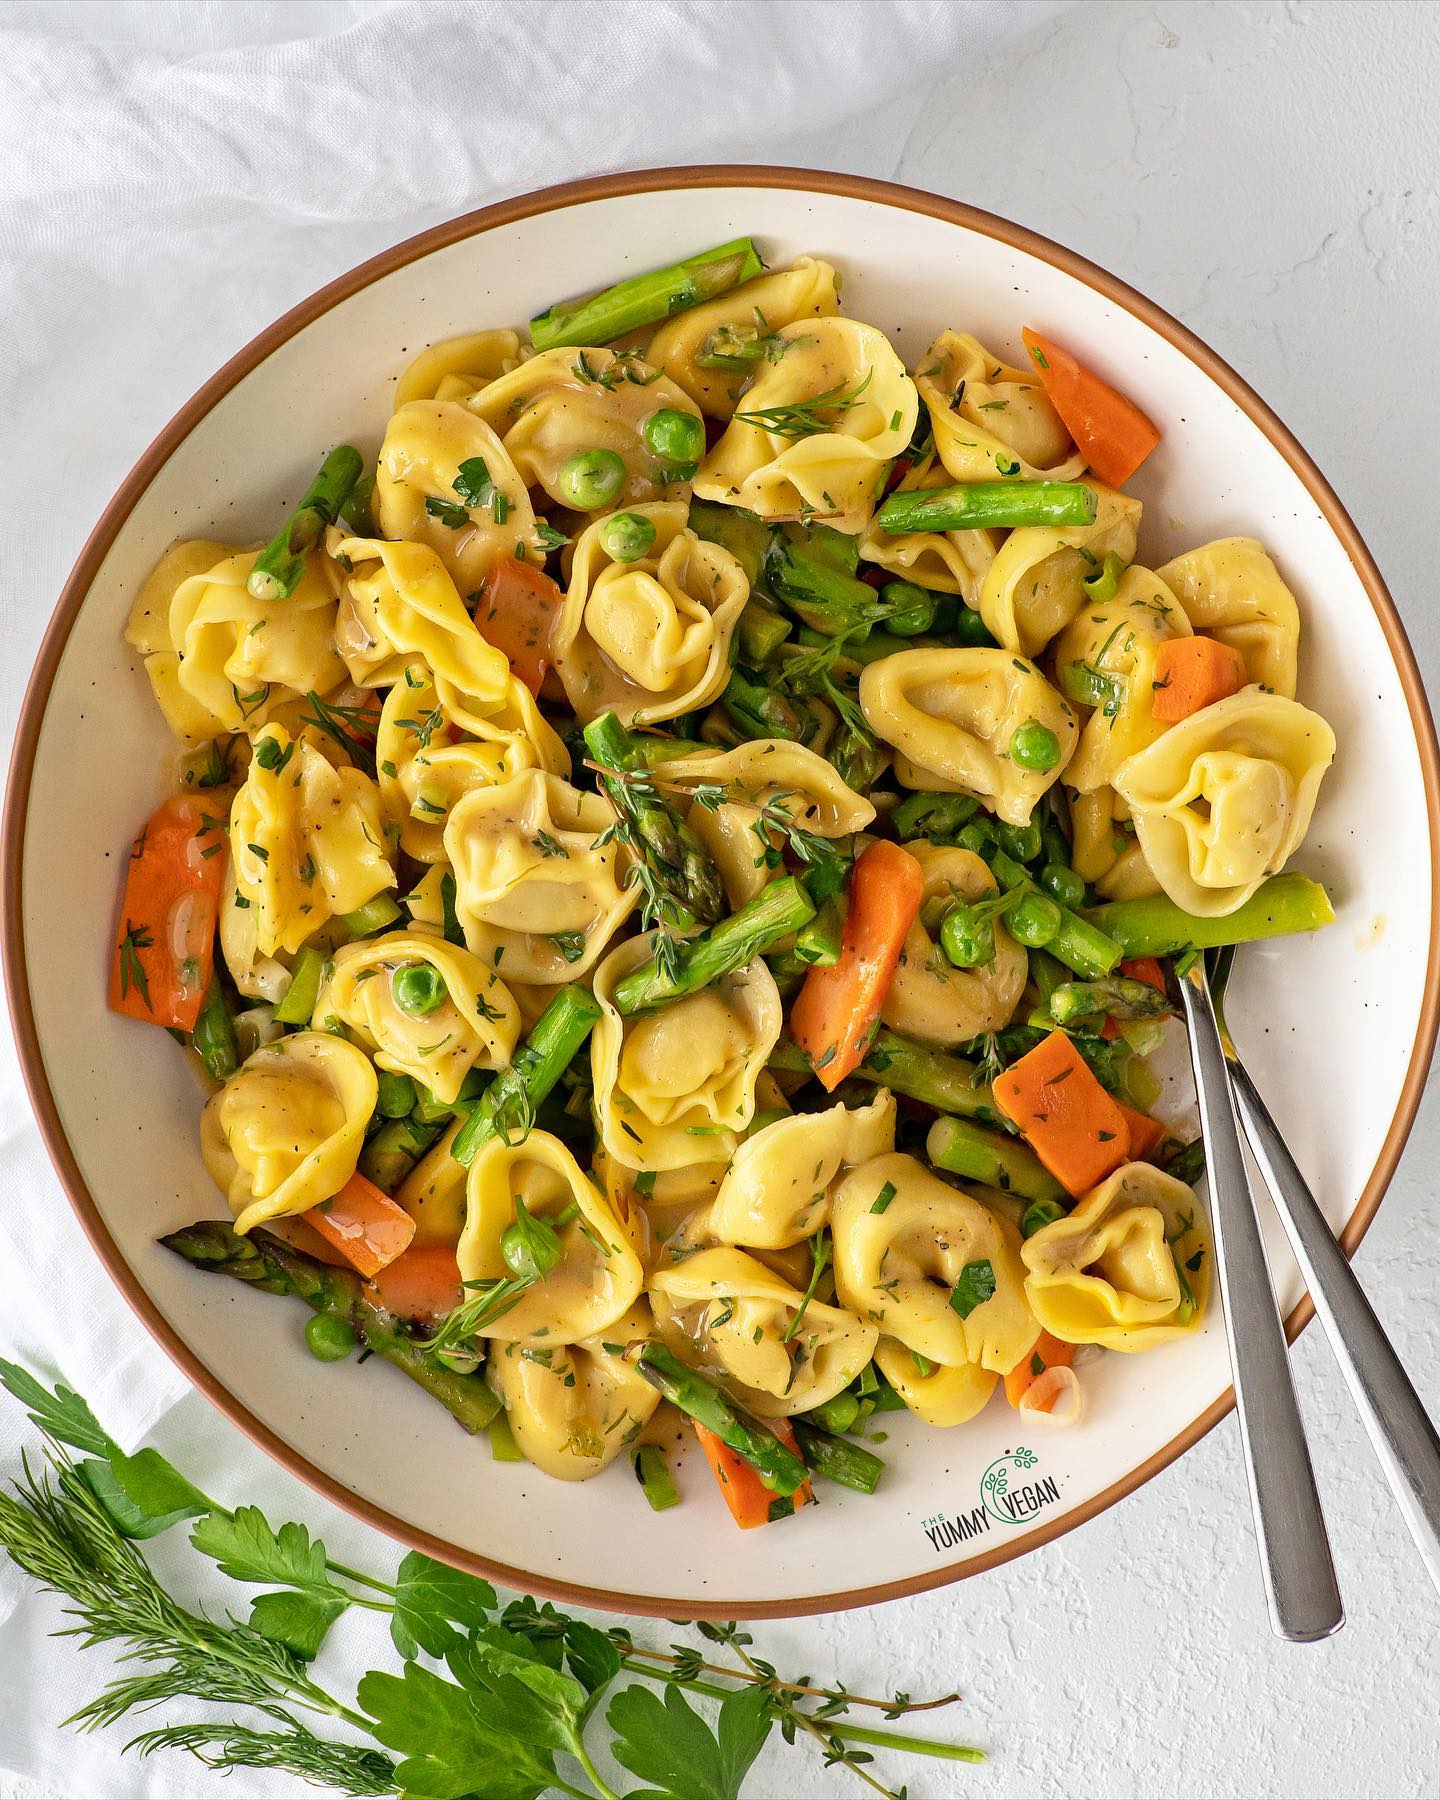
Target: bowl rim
131,491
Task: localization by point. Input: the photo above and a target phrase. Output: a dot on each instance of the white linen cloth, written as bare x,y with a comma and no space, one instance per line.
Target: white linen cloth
172,177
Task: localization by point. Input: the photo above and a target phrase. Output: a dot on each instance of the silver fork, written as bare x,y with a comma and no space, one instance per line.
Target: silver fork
1402,1434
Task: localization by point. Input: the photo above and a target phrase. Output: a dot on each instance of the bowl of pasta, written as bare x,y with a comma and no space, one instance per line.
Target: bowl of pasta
634,904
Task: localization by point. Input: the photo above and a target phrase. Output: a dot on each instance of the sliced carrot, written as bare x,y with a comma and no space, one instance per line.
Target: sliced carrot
517,612
422,1283
1195,672
1111,432
1045,1353
300,1236
1146,1134
165,940
751,1503
836,1012
1146,969
363,1224
1109,1028
1064,1114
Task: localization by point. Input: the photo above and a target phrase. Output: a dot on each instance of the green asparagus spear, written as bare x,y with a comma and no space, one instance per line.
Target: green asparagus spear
837,1460
375,915
393,1152
653,1473
939,817
1117,995
818,943
646,299
214,1035
1158,927
1080,943
396,1095
654,829
984,504
948,1083
836,1414
760,712
1188,1164
299,1002
266,1262
743,533
830,599
280,565
508,1105
776,1465
761,632
782,907
963,1148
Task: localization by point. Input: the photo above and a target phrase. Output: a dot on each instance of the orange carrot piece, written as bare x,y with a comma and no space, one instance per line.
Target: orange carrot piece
1064,1114
1146,1134
1045,1353
422,1283
745,1493
836,1012
1194,672
517,612
1146,969
1111,432
363,1224
1109,1028
165,940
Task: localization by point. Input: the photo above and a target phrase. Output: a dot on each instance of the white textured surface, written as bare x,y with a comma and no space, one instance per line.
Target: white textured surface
1267,173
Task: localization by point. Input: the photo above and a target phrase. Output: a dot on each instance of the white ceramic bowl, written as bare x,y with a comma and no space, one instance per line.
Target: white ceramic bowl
1338,1029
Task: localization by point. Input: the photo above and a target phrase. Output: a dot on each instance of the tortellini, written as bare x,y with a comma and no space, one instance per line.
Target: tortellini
438,452
563,402
575,1407
1232,591
1035,586
458,366
649,638
306,840
285,1132
1224,797
1103,852
433,1193
598,1277
1129,1268
676,1086
776,1191
750,313
537,895
818,429
224,661
939,1394
930,999
1106,658
473,1023
257,977
148,627
991,420
951,715
769,769
946,562
738,1317
903,1240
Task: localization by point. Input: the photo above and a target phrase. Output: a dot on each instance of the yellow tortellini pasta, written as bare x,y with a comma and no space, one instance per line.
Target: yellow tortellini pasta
746,315
563,402
1224,797
533,885
433,1193
726,1308
857,409
458,366
939,1394
1035,586
677,1086
946,562
1129,1268
930,999
439,451
574,1408
257,977
306,840
903,1239
1103,852
466,1019
148,627
989,419
769,769
598,1277
285,1131
776,1191
649,638
1232,591
951,715
1106,658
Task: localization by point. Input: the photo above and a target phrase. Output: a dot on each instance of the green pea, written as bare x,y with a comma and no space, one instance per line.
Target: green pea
328,1338
418,988
626,537
674,436
966,939
1034,920
1034,746
396,1094
1063,884
592,480
1023,842
530,1247
971,632
1038,1215
912,609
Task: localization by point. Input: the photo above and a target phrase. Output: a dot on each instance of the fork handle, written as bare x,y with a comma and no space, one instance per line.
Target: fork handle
1299,1575
1405,1439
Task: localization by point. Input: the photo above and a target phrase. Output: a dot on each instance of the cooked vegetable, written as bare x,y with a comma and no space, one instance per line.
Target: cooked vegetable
364,1225
1069,1121
164,953
776,1462
518,610
1110,432
626,537
982,505
750,1500
214,1035
281,564
298,1004
329,1339
507,1107
774,913
1081,943
1191,672
374,916
1156,926
837,1460
961,1147
675,437
656,1482
1034,746
1116,995
646,299
1048,1353
592,479
1146,1134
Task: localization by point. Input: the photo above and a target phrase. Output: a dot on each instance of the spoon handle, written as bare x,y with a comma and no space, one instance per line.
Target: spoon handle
1300,1585
1405,1439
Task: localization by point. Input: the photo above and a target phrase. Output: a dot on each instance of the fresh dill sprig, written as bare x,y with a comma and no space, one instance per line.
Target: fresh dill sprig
806,418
